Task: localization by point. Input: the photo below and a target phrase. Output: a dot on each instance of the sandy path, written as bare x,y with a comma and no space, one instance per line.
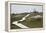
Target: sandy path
19,24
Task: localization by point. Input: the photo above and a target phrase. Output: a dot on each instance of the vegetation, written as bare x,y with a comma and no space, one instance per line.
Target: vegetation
30,22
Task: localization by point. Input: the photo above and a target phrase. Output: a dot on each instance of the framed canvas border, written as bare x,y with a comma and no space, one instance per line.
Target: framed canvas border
7,14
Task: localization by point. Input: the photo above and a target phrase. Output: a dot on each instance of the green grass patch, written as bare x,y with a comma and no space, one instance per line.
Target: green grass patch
29,22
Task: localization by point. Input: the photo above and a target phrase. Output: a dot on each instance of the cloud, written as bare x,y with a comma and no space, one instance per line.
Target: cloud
25,8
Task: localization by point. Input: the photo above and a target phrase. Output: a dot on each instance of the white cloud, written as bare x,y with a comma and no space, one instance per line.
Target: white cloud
25,8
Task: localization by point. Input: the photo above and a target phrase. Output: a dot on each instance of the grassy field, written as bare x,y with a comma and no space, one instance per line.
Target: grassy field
30,22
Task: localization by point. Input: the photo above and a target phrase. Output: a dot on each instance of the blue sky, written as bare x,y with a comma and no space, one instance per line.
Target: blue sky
25,8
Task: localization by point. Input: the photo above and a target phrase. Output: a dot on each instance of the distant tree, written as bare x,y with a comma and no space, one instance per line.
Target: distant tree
35,11
13,14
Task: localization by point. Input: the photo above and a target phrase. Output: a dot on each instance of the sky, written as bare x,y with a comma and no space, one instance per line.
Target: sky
25,8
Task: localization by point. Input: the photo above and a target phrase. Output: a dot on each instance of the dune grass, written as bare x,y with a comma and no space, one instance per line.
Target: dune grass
30,22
